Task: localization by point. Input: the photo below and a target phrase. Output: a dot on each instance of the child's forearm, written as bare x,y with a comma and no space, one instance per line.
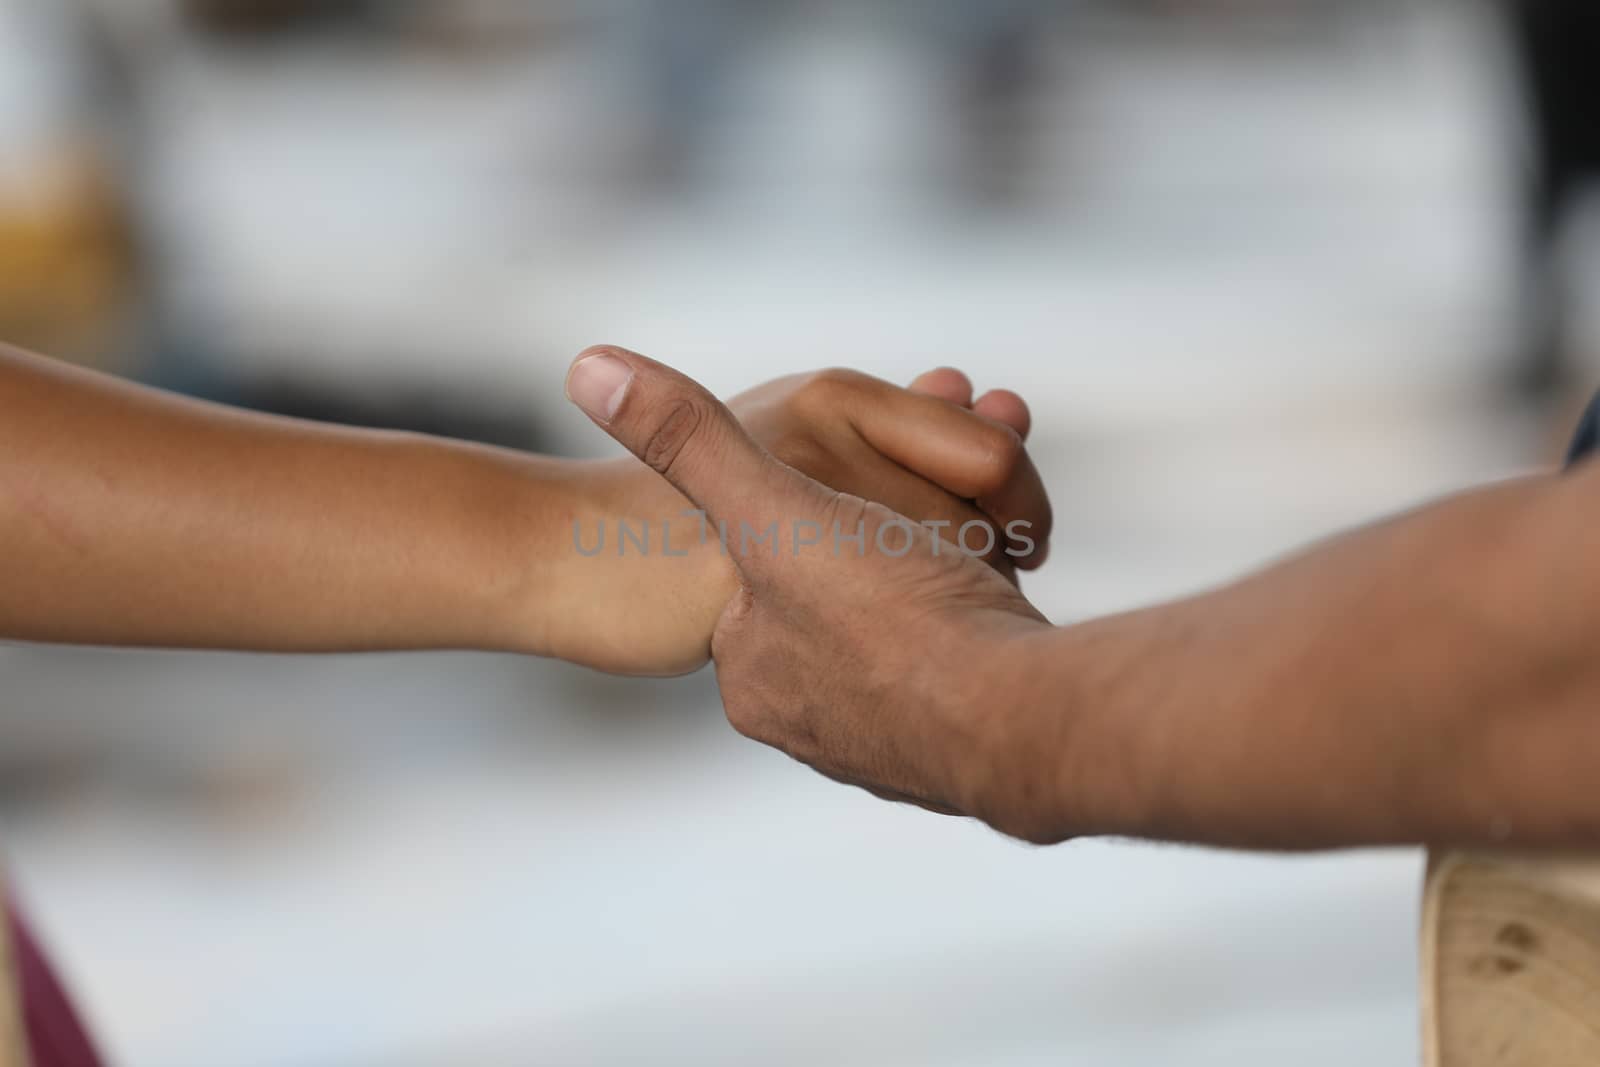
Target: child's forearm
129,516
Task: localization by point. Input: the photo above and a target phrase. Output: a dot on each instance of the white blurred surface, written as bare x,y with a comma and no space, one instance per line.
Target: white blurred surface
1212,225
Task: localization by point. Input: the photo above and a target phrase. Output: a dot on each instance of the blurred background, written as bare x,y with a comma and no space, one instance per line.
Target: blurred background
1262,267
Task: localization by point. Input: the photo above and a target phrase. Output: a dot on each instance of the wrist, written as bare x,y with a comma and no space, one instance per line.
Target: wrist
557,508
1073,764
513,515
623,580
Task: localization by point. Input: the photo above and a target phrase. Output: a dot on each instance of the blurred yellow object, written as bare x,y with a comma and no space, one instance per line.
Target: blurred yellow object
66,263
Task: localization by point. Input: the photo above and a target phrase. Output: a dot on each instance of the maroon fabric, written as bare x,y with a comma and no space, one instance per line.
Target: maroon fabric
55,1036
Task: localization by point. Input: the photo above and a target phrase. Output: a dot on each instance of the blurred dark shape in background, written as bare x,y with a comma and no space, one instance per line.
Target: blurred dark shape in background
481,24
249,17
684,57
1001,60
1556,43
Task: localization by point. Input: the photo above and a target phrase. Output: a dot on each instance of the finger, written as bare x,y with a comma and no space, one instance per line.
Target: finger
946,383
1021,510
692,440
1003,405
960,451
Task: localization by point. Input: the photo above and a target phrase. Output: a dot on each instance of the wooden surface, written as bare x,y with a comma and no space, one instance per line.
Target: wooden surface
1511,961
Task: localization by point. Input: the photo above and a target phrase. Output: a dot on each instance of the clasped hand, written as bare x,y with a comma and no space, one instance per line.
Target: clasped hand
875,660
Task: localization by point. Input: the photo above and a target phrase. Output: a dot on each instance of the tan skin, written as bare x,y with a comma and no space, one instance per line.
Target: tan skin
134,517
1429,679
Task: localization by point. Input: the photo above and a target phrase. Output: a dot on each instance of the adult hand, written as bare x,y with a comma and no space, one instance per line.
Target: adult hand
929,452
883,661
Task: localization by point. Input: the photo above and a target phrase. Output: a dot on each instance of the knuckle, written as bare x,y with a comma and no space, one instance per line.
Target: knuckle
840,377
681,422
822,393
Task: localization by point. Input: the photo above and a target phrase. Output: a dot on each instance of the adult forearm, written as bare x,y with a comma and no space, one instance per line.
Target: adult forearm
130,516
1433,678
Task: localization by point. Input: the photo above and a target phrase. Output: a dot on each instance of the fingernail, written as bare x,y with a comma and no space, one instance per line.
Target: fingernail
597,384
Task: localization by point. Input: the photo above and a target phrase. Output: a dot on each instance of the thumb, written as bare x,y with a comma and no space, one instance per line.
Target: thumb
691,438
